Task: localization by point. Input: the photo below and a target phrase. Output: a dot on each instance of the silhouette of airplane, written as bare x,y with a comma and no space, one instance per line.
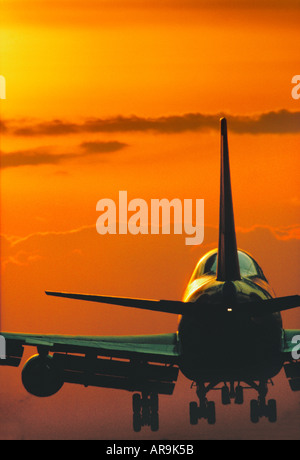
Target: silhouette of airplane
230,337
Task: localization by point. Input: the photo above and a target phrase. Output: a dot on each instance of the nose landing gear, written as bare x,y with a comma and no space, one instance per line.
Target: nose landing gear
232,393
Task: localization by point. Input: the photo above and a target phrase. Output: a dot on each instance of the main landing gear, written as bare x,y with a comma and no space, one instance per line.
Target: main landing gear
145,411
258,408
206,409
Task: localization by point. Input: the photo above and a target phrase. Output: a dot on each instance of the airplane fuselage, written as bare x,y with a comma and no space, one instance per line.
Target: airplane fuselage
226,343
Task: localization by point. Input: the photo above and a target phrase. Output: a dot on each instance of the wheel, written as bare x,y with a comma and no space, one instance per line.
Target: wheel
211,413
136,403
137,422
254,411
239,395
193,413
225,395
154,402
272,411
146,413
154,421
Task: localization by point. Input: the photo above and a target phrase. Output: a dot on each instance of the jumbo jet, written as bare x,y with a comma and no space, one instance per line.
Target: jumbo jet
230,337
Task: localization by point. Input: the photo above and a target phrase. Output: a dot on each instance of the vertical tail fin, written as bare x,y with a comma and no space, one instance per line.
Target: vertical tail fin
228,262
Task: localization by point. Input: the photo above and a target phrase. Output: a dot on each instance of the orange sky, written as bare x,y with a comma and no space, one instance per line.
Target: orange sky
103,97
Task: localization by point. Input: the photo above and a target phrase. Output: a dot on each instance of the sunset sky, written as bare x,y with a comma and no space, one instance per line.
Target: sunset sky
103,96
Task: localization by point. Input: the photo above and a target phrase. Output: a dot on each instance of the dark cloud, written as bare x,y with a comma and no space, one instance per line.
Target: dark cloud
51,128
32,157
280,122
2,127
101,147
47,156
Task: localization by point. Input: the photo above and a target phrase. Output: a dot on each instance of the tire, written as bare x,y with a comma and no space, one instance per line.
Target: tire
239,395
137,422
211,413
154,421
154,402
225,396
136,403
272,411
254,411
193,413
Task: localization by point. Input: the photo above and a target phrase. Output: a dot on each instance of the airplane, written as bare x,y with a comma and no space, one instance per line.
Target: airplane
230,337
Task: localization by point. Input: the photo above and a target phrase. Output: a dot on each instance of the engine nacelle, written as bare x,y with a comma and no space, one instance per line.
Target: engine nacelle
41,377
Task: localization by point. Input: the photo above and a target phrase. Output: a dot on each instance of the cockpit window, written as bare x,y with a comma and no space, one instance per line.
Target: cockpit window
211,264
248,266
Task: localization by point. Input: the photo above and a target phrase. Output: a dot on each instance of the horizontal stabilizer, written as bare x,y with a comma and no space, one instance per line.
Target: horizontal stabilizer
165,306
269,306
255,308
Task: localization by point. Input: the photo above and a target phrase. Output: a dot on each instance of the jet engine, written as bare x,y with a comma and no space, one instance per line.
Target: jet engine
41,377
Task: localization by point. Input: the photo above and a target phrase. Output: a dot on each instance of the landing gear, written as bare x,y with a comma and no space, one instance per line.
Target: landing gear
206,409
145,411
239,395
229,393
259,408
225,395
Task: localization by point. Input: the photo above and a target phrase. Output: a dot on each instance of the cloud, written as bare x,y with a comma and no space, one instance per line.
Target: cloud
101,147
31,157
279,122
47,155
291,232
2,126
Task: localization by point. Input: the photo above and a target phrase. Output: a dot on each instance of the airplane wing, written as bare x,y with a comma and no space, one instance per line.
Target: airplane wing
291,353
133,363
